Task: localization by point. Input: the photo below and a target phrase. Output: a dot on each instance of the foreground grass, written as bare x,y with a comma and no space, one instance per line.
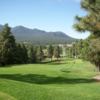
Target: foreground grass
67,80
4,96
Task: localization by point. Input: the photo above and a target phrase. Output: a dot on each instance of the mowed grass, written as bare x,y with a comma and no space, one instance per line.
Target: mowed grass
67,80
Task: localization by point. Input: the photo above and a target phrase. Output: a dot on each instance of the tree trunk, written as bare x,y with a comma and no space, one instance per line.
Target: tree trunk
99,68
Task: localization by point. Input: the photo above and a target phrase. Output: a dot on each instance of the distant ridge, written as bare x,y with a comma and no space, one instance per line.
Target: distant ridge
36,36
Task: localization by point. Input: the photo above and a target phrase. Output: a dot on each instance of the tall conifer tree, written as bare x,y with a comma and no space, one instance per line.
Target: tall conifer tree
8,46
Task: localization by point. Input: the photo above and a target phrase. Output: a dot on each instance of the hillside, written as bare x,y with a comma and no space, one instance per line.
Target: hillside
37,36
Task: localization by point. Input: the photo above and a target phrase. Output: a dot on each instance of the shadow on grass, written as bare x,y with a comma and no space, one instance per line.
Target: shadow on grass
43,79
54,62
51,62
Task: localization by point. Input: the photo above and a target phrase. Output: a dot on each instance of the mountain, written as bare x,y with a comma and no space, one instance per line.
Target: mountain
37,36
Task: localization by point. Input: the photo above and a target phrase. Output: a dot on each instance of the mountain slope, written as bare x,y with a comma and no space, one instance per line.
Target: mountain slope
37,36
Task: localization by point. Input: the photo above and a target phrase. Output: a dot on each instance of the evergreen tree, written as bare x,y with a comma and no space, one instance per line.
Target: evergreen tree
91,23
57,52
7,46
94,52
31,54
24,53
19,54
50,51
40,54
69,52
74,51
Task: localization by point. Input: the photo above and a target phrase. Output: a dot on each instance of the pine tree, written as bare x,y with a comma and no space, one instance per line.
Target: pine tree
50,51
40,54
57,52
19,54
8,46
31,54
91,23
24,54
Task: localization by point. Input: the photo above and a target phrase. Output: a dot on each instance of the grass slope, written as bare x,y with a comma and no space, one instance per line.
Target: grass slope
68,80
4,96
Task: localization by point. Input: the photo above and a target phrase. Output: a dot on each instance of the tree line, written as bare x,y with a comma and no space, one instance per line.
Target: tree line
23,53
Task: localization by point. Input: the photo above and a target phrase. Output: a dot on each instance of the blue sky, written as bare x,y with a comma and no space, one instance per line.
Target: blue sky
48,15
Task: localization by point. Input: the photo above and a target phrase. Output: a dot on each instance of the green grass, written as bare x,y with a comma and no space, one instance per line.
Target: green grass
67,80
4,96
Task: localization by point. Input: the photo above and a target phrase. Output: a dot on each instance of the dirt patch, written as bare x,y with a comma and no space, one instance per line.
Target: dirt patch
97,78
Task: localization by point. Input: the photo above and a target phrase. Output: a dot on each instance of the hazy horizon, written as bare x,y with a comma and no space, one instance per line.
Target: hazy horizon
48,15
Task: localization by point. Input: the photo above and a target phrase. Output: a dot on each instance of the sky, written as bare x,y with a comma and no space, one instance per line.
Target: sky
48,15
